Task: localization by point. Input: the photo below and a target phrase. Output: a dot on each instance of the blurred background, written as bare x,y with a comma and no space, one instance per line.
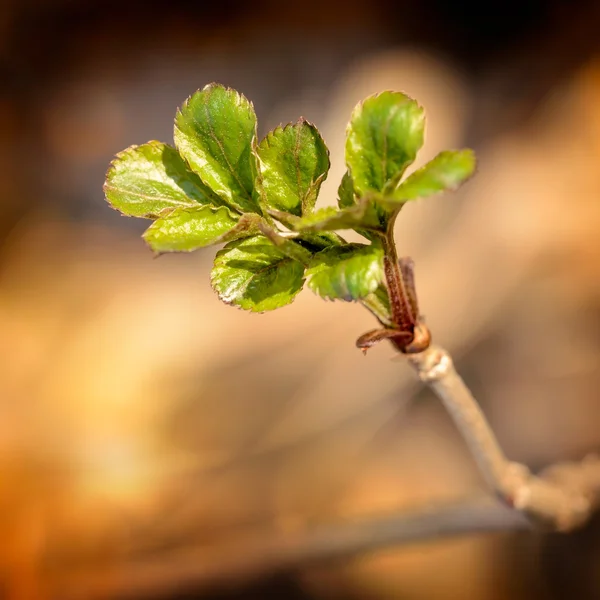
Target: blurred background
149,433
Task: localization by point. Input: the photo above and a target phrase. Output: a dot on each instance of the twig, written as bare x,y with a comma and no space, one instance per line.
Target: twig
263,555
434,367
561,497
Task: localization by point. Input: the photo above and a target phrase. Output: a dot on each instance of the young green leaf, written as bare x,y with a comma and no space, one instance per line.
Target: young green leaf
346,197
447,171
293,162
383,138
319,240
187,229
379,304
214,131
347,273
255,275
146,180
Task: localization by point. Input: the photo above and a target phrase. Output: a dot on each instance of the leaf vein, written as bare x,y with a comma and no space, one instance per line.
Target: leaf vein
297,164
263,270
221,148
120,190
386,127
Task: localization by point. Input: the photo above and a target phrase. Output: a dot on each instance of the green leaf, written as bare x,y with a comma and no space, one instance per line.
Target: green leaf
349,272
254,275
383,138
214,131
187,229
293,162
346,195
379,304
361,216
146,180
447,171
317,241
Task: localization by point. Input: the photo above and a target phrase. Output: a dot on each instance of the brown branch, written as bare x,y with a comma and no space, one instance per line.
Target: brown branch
561,497
265,554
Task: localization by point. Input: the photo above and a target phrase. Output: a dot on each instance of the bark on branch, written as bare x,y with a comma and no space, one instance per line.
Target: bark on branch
562,497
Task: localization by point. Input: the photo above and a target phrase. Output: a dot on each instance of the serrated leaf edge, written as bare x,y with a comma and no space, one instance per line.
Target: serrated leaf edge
232,303
358,108
354,247
316,183
121,156
395,200
240,99
225,237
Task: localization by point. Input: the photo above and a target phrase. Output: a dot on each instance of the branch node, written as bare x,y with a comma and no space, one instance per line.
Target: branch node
431,365
561,497
513,487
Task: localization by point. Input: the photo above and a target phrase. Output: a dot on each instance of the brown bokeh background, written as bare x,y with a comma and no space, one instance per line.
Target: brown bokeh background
143,421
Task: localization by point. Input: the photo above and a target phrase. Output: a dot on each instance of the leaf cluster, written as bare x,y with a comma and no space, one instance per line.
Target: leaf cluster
220,184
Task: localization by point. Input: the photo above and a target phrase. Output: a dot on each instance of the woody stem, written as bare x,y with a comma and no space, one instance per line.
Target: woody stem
401,311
